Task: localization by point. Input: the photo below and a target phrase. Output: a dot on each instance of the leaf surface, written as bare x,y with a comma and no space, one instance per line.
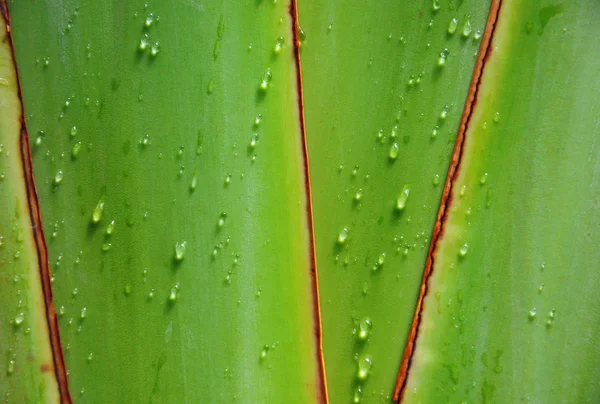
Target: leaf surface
384,87
27,365
170,173
510,312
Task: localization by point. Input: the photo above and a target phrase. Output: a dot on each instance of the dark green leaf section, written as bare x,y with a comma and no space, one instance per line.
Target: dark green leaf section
511,314
385,84
26,365
168,160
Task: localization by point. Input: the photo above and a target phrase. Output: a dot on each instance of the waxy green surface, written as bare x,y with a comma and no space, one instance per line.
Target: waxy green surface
26,365
511,314
168,160
384,87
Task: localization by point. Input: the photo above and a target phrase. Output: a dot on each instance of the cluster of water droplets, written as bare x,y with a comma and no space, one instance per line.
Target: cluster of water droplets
364,361
148,44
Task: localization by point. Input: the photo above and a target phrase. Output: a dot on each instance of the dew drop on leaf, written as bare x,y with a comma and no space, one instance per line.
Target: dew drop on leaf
343,236
463,250
403,198
364,367
180,250
97,213
452,26
394,151
364,329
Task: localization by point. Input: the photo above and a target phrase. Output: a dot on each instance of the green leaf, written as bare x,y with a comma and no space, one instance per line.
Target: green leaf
384,87
178,236
27,369
511,311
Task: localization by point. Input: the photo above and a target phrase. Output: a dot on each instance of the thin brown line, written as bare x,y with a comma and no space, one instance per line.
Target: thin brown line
485,51
322,382
38,234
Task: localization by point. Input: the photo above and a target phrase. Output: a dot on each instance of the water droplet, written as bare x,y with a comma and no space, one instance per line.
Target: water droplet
436,180
144,42
436,5
155,49
483,178
58,177
496,117
10,369
73,131
443,57
253,141
228,179
145,141
106,246
75,150
394,150
266,80
278,45
359,194
19,318
90,357
358,393
257,121
364,329
222,218
194,182
477,35
174,293
402,198
127,290
435,131
532,313
83,313
343,236
551,315
463,250
180,250
364,367
444,113
301,35
110,228
97,214
149,20
263,352
394,133
466,31
452,26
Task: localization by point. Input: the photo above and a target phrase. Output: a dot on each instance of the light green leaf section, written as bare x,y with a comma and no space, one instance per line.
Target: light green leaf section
512,314
168,160
385,84
26,366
